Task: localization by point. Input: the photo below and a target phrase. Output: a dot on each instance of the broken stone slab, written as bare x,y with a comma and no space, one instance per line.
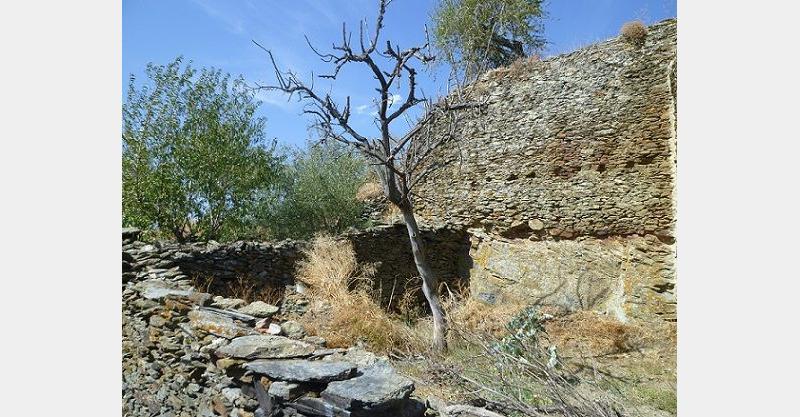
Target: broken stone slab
265,347
303,370
259,309
285,391
379,388
217,324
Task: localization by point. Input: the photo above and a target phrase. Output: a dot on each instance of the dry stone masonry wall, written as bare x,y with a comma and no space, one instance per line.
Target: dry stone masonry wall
582,148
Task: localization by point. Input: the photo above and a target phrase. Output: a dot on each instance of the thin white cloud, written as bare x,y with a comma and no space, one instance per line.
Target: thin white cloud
364,108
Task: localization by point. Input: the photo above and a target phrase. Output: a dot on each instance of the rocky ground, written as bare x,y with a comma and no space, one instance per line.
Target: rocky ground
187,353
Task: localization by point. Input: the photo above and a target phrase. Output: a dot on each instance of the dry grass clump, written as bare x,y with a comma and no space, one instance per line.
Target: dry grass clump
369,191
343,312
246,288
590,333
471,316
634,32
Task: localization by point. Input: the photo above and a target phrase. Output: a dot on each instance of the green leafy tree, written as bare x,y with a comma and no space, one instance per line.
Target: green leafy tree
475,35
320,193
194,160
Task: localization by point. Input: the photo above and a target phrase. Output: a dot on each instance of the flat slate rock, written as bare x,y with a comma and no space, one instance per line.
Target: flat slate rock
303,370
259,309
217,324
265,347
376,388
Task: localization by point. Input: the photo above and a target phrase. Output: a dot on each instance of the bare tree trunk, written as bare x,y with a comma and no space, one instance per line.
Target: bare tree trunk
430,285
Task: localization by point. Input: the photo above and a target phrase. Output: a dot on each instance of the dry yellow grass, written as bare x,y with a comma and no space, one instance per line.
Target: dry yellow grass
343,312
634,32
369,191
245,288
594,334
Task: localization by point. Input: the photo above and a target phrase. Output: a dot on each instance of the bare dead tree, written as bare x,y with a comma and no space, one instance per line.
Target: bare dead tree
400,162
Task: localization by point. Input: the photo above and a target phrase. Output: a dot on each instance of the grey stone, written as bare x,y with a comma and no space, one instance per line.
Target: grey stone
293,329
229,303
316,340
462,410
217,324
259,309
265,347
131,233
303,370
285,391
154,289
378,388
317,407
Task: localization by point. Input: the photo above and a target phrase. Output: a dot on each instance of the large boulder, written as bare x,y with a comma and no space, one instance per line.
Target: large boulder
265,347
302,370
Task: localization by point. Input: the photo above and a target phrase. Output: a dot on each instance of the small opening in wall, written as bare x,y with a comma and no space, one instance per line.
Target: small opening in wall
601,168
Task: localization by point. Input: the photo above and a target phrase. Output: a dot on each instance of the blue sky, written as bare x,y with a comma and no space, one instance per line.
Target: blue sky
219,33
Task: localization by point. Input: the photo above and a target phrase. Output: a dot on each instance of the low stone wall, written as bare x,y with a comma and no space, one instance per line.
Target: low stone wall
273,265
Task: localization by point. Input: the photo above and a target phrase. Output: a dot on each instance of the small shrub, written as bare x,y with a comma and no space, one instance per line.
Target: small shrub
634,32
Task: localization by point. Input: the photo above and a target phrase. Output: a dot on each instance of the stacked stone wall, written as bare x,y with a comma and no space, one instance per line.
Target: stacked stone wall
578,149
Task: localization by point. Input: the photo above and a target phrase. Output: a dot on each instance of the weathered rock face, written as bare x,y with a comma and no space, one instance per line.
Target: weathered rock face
580,145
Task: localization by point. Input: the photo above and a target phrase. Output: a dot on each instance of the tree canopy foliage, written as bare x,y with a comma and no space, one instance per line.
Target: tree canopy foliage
476,35
194,160
320,192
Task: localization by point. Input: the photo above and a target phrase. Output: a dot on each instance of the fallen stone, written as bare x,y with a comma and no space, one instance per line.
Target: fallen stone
216,324
259,309
303,370
265,347
293,329
285,391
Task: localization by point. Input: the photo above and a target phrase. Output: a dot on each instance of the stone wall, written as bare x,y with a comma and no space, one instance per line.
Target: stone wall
572,158
274,265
